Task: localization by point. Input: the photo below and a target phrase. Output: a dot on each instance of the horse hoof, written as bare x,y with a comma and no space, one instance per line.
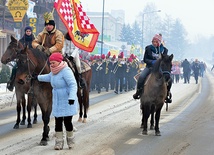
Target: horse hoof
35,121
80,120
152,127
84,120
144,133
22,123
43,143
29,126
16,126
157,133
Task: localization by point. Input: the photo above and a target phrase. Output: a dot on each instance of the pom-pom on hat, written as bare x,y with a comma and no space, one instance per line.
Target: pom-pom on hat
28,28
56,57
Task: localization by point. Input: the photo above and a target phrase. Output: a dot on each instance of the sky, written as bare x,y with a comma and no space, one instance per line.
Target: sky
197,16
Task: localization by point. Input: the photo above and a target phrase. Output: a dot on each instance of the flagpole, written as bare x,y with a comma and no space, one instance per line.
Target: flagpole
102,27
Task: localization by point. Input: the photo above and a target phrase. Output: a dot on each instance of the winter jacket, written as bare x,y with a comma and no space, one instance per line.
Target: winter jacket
152,53
27,40
64,89
54,41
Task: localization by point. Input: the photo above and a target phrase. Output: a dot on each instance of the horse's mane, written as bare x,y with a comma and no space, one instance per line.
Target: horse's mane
38,54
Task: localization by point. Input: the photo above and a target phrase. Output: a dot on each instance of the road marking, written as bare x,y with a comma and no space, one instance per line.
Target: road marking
133,141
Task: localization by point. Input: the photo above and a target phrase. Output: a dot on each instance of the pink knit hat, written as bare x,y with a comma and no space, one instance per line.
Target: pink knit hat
56,57
157,38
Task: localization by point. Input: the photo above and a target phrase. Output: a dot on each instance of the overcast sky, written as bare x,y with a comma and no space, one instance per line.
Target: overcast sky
197,16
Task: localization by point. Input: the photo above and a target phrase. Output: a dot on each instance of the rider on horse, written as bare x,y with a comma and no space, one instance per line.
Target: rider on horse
72,52
26,40
50,40
152,53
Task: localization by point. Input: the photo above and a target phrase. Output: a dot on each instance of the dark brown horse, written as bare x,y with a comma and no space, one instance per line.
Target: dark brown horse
10,55
155,92
32,61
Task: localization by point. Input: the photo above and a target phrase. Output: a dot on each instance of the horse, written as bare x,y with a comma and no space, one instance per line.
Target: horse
155,92
30,62
10,55
82,93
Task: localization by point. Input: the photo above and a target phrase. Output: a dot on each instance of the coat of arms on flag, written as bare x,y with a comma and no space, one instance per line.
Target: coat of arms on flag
82,32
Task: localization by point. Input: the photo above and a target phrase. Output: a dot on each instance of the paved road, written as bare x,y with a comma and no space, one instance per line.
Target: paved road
113,126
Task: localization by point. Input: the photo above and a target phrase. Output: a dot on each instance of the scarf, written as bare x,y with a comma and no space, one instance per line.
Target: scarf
58,68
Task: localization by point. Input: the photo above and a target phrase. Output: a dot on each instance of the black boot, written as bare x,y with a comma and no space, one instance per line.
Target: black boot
81,81
138,94
10,85
168,98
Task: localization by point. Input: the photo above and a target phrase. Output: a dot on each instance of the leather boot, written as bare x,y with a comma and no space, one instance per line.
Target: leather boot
168,98
59,143
81,81
138,94
70,139
10,84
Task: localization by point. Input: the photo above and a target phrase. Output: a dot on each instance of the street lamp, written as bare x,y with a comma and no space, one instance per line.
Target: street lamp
102,26
143,23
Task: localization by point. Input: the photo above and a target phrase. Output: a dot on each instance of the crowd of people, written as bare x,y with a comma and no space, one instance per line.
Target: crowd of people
185,69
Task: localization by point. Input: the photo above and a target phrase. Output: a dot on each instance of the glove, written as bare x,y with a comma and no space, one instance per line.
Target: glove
34,77
40,47
153,62
71,102
47,52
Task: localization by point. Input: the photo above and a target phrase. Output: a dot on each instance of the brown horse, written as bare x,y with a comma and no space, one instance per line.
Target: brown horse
82,94
10,55
155,92
32,61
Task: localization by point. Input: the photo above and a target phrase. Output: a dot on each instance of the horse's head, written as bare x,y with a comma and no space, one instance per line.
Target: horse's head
31,61
166,65
11,52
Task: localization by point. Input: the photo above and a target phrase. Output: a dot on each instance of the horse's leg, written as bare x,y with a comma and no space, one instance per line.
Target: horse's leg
80,105
46,129
141,126
18,109
146,113
157,118
35,111
29,104
24,110
152,119
85,103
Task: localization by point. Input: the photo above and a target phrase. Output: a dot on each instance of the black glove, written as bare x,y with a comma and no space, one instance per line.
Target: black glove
47,52
34,77
70,58
71,102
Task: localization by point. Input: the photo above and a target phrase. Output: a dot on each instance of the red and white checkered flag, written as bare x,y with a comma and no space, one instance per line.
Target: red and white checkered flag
83,33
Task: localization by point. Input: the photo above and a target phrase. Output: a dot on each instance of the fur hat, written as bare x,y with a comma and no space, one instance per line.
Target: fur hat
28,28
56,57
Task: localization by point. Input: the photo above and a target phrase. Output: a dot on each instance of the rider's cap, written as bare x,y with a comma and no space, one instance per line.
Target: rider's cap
49,19
56,57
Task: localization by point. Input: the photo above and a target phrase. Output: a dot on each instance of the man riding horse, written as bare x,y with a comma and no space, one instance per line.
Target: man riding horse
72,52
152,53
